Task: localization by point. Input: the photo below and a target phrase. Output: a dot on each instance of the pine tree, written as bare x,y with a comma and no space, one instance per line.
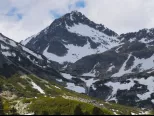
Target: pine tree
78,110
97,111
1,107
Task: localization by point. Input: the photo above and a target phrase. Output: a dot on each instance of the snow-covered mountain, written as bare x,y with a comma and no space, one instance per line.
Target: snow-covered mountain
72,37
102,63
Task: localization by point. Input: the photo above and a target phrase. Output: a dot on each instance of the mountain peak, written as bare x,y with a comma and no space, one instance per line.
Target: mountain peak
76,12
74,16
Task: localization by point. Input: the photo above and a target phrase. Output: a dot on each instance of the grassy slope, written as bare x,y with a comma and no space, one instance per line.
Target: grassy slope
21,87
63,106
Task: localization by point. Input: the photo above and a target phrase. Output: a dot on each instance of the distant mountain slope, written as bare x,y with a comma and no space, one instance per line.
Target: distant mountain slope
15,58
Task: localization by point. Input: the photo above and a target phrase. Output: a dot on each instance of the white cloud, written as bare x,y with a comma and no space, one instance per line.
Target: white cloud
119,15
36,16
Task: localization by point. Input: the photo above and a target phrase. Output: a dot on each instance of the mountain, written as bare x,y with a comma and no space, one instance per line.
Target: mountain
72,37
98,61
30,85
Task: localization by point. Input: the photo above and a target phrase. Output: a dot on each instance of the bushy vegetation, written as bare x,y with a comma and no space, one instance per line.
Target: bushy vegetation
1,107
59,105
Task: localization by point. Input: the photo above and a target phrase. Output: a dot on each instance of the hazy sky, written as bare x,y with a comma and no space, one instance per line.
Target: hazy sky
20,19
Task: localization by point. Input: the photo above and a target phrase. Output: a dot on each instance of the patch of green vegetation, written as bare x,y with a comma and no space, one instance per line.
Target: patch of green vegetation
6,107
18,86
151,112
59,105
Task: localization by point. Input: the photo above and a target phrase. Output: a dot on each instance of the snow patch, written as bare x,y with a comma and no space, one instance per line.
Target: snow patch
118,86
150,71
90,74
32,53
96,35
133,113
67,76
57,87
93,72
110,68
59,80
37,88
152,101
146,64
122,70
29,114
149,82
4,47
7,53
132,39
89,82
73,87
117,50
74,53
145,40
8,41
26,41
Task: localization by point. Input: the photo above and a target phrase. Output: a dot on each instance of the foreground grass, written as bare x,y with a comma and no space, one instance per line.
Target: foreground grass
59,105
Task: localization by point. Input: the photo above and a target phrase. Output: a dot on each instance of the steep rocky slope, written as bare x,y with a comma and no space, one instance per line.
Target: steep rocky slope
15,58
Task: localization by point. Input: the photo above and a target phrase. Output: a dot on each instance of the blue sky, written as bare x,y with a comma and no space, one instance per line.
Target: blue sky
77,5
80,4
55,14
13,12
